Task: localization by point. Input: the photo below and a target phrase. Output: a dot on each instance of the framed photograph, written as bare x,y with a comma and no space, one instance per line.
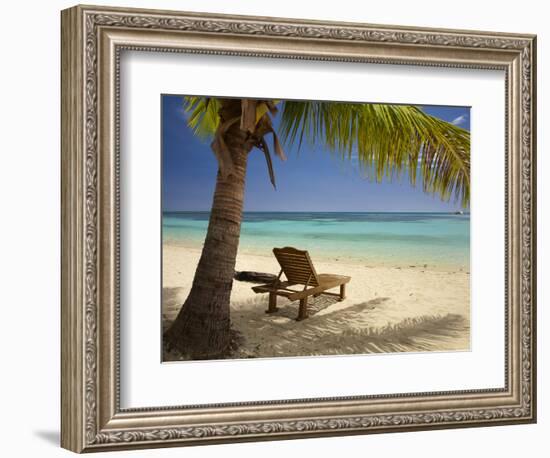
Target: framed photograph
278,228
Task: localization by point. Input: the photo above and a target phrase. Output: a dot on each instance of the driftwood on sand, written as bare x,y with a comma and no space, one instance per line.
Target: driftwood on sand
254,277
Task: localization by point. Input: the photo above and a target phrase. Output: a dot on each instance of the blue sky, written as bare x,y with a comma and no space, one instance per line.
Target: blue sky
309,180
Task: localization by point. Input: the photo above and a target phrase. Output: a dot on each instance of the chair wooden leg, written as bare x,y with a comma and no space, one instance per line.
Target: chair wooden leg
342,292
302,311
272,306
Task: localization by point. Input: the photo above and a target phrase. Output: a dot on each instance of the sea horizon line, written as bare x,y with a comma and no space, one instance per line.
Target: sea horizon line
465,212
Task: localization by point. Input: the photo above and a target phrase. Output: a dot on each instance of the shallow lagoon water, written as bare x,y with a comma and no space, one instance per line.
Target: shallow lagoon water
396,239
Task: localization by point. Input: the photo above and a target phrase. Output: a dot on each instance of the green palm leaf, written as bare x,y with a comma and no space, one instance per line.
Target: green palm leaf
203,116
386,139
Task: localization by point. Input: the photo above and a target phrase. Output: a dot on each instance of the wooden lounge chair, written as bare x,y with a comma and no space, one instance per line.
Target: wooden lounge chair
299,270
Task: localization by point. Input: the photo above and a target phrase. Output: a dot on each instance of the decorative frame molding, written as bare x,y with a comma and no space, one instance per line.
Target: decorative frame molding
92,39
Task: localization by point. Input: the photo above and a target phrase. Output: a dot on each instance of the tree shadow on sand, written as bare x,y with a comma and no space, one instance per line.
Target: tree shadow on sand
331,329
344,331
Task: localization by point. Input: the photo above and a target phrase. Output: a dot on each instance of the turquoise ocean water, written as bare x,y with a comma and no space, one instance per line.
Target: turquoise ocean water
394,239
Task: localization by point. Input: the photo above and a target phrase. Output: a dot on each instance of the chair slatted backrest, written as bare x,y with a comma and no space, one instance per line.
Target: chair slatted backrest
297,266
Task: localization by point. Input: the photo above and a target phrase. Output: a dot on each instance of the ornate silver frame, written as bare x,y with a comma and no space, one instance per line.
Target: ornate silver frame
92,38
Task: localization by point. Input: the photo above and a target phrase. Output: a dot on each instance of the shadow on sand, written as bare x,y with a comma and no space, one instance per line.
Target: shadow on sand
345,330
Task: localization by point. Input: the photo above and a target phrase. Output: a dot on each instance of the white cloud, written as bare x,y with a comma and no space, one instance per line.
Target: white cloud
459,120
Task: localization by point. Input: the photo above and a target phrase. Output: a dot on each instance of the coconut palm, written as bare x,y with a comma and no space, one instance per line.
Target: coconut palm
387,140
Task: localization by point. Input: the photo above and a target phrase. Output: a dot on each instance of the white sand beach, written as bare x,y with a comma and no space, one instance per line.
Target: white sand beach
387,308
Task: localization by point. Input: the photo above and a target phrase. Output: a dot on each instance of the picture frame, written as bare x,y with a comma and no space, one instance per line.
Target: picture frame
92,40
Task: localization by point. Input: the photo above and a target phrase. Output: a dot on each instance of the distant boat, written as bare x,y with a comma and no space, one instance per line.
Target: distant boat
459,212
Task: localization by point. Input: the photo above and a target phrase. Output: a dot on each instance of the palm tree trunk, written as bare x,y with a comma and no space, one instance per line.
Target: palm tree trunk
202,328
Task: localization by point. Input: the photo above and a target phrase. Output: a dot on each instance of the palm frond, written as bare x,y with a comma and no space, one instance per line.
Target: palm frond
203,116
387,140
265,149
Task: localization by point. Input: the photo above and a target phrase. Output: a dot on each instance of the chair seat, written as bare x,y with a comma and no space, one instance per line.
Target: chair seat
332,279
